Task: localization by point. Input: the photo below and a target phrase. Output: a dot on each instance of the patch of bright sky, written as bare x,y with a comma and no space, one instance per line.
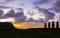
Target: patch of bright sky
7,20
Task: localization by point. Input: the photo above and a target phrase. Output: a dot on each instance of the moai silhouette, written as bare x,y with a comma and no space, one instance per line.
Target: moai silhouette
49,25
45,25
53,25
57,25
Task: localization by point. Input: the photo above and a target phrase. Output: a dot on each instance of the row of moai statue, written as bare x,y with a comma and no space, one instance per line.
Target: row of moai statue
52,25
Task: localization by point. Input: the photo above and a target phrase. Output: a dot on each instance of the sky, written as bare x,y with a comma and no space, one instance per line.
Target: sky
29,10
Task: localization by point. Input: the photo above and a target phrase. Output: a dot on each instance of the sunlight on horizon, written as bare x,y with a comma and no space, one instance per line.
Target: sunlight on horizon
27,25
7,20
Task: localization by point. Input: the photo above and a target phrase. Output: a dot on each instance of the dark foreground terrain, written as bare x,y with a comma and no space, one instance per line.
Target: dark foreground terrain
7,30
42,33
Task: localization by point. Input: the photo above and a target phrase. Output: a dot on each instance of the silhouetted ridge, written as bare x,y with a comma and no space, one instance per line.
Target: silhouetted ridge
6,25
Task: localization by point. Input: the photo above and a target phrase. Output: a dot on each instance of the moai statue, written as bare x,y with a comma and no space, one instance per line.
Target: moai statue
57,24
45,25
49,25
53,25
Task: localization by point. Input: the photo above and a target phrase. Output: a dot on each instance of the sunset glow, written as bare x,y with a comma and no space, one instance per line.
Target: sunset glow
26,25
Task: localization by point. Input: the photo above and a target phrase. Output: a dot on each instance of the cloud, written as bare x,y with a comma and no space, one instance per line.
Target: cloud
56,5
5,1
18,17
9,0
48,15
22,4
4,7
11,13
30,13
2,2
30,20
40,2
1,12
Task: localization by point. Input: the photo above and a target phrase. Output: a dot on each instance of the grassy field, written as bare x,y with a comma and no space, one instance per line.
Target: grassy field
30,34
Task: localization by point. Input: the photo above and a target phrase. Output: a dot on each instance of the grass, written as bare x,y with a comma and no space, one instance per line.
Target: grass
30,34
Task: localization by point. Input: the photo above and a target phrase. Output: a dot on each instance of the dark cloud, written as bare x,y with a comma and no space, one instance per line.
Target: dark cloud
30,13
20,12
3,2
9,0
4,7
40,20
11,13
48,15
56,6
19,9
1,12
20,19
22,4
19,16
40,1
30,20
